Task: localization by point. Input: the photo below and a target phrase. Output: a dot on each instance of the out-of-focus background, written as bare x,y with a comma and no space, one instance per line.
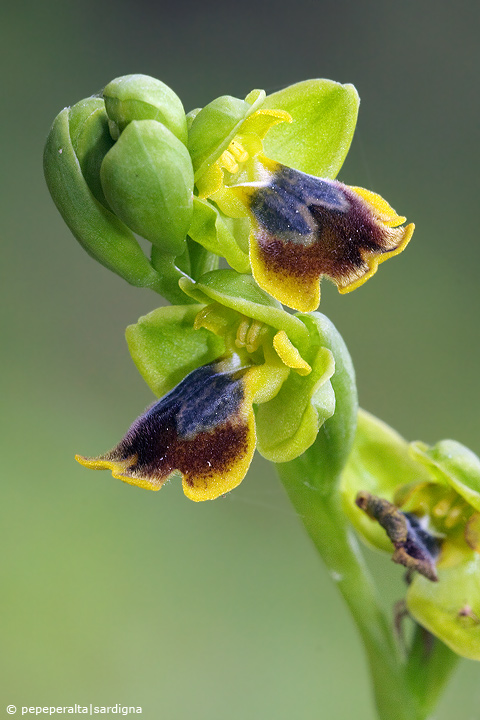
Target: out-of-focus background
218,610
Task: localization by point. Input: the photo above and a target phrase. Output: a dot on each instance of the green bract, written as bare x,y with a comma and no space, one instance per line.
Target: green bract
439,487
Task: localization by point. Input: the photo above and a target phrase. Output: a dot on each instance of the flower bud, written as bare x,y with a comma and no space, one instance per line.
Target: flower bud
141,97
147,179
91,140
73,152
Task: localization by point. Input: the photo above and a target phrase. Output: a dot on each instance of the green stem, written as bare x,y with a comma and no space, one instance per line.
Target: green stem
326,524
429,667
404,688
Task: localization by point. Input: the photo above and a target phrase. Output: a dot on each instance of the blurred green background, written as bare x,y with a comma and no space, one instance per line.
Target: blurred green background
219,610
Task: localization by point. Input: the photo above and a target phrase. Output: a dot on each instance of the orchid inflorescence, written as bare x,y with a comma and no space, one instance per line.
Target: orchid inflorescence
253,181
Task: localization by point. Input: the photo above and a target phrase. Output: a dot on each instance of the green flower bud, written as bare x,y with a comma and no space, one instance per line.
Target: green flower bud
78,197
147,179
141,97
91,140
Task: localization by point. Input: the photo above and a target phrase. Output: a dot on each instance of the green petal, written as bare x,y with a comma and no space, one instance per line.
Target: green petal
324,115
452,463
209,229
241,293
379,463
141,97
215,125
288,424
450,608
147,178
165,347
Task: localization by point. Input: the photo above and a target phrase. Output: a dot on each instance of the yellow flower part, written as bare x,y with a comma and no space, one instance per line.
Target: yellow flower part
204,429
289,353
304,227
239,157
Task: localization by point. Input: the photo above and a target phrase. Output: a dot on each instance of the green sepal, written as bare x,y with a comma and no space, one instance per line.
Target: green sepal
99,231
241,293
215,125
91,140
379,463
165,347
288,424
450,608
332,446
324,115
208,228
451,463
147,179
141,97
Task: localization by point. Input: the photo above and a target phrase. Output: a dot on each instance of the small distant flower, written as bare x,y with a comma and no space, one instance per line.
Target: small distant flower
426,501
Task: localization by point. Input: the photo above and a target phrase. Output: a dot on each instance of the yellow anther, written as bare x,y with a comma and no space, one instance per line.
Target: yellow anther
254,336
242,330
288,354
249,334
238,151
227,161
